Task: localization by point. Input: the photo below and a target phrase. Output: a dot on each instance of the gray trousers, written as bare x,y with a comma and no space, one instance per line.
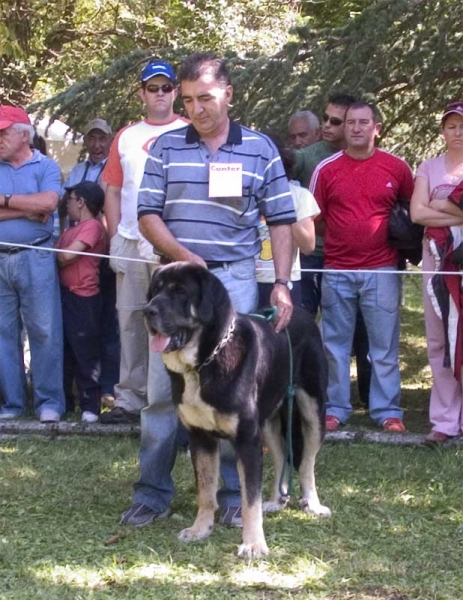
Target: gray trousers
132,282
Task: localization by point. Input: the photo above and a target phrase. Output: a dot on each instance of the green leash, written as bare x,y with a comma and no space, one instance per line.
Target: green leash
288,465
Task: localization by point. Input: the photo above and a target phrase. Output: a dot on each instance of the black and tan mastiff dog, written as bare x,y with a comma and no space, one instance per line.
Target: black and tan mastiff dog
230,377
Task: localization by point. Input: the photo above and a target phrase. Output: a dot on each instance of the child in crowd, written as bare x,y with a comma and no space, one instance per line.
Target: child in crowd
81,298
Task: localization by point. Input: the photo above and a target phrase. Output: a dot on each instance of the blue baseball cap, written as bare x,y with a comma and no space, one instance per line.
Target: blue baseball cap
158,68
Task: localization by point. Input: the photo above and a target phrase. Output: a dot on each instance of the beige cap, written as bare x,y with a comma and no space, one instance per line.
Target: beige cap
100,124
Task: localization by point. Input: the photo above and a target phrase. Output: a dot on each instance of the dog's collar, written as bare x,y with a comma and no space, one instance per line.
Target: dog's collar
223,342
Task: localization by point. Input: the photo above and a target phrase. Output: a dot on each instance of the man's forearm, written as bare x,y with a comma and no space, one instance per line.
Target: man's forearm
6,214
112,209
39,203
282,250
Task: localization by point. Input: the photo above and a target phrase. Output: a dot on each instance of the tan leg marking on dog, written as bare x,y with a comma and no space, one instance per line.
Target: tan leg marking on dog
207,479
310,502
254,544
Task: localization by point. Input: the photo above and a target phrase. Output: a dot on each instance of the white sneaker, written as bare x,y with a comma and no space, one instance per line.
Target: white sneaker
89,417
8,416
48,415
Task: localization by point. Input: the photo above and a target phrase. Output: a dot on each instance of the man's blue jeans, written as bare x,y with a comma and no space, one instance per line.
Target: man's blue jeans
159,422
378,296
29,295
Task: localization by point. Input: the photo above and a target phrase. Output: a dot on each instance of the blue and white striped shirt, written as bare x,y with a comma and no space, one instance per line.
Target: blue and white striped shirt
175,186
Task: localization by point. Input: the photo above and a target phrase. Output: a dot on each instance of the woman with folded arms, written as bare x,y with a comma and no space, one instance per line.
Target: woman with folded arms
437,203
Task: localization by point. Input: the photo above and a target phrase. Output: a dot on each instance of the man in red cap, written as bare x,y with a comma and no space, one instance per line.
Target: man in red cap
29,192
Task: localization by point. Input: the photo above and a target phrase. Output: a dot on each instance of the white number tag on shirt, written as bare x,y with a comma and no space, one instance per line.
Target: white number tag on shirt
225,180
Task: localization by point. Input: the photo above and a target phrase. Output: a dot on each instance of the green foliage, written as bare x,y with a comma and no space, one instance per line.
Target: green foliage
81,57
402,53
51,45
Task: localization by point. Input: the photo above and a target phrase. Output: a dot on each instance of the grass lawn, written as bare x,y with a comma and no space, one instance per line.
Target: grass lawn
396,531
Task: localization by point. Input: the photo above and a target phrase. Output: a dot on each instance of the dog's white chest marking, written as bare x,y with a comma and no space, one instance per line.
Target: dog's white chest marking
194,412
182,360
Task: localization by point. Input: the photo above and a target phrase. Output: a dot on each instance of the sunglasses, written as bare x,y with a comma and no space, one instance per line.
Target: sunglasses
166,88
335,121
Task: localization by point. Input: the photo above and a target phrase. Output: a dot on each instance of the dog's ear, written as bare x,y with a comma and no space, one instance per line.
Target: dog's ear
207,295
212,295
152,286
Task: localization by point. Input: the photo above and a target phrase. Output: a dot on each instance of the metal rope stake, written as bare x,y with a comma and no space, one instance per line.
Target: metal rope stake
288,464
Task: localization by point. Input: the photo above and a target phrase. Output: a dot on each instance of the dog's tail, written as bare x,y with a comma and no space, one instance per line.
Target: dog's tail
313,418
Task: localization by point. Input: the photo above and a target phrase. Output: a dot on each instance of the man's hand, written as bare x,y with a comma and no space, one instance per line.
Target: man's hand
197,260
281,298
40,217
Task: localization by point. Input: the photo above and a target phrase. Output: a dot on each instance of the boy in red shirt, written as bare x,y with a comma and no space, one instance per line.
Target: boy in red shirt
81,298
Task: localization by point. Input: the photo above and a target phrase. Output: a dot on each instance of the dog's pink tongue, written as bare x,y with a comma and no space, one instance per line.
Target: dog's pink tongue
159,342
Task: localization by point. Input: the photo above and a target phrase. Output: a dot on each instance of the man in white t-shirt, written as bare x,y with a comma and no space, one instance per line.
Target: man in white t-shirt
123,174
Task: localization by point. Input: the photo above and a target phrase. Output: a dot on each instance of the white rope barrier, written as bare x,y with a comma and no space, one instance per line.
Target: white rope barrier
156,262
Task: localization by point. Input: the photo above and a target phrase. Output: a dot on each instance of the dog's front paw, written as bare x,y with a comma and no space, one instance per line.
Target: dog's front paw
314,508
254,550
193,534
273,506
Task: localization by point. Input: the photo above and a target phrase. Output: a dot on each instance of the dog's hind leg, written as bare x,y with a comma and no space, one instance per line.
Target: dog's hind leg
273,439
250,468
205,456
312,440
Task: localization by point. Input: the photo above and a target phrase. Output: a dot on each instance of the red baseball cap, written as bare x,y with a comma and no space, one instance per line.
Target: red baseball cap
456,108
12,114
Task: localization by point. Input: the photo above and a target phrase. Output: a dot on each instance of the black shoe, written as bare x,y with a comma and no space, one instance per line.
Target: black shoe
117,416
139,515
231,516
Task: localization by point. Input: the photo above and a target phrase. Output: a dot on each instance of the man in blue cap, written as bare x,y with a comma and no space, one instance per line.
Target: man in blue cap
122,175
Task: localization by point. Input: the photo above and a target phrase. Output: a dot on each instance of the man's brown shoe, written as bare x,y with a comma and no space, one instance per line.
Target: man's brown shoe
118,416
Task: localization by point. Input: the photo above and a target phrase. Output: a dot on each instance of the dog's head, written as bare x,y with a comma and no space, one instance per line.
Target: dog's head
182,299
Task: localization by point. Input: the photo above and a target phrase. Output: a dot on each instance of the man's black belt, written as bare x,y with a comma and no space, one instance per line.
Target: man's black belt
15,249
210,264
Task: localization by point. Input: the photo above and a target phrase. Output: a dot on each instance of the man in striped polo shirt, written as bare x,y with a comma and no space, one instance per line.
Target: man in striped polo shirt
200,200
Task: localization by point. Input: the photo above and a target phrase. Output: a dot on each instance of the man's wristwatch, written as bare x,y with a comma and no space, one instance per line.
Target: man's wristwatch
6,199
284,282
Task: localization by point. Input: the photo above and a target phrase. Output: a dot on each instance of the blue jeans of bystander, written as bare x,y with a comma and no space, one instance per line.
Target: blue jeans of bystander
377,294
29,294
